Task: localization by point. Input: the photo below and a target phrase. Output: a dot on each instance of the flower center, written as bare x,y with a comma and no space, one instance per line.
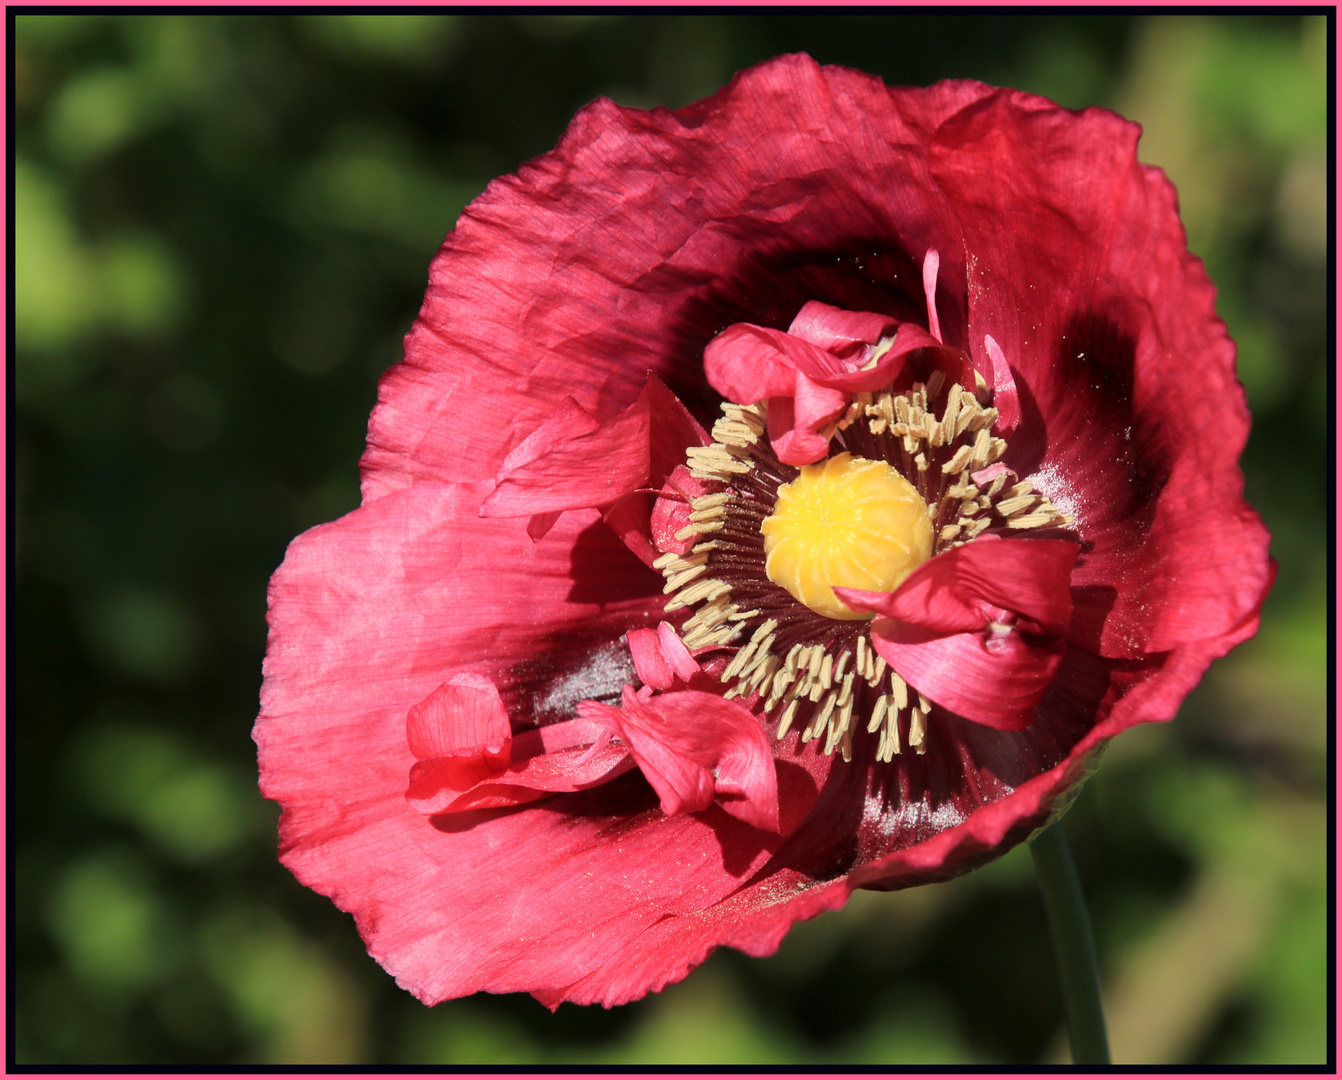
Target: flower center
846,521
909,475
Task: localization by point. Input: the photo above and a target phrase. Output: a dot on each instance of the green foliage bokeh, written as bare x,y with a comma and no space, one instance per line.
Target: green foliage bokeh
222,227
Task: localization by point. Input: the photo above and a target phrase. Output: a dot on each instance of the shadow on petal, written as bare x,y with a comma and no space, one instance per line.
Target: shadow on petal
606,572
627,801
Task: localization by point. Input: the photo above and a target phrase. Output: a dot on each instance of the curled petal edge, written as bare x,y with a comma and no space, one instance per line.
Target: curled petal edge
980,629
696,748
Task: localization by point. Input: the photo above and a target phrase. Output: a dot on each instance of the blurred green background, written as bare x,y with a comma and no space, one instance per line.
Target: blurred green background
222,229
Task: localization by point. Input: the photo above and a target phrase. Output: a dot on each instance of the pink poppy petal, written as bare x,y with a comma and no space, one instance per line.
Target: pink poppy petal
992,678
909,339
984,477
728,735
629,519
751,363
683,784
540,619
569,466
673,649
437,784
447,933
948,594
541,777
660,657
671,511
752,360
674,430
692,745
653,668
979,629
463,716
1131,413
846,334
570,421
931,264
1006,398
814,406
794,443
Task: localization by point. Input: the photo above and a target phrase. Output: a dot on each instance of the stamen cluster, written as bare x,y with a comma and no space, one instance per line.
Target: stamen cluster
808,669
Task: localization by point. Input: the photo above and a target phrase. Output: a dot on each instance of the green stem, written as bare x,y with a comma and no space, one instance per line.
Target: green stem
1073,944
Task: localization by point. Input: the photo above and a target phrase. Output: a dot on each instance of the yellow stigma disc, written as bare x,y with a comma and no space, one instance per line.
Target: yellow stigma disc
845,521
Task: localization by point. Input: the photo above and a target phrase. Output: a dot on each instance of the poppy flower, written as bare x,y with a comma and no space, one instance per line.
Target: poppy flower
783,495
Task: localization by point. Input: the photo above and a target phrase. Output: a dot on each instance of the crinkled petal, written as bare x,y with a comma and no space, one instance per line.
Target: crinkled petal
753,363
979,629
568,756
1131,416
681,782
729,736
880,371
671,511
537,778
949,593
846,334
692,746
555,469
438,784
684,665
993,679
463,716
660,657
673,431
816,406
653,668
559,280
570,421
332,744
931,266
794,441
629,519
540,524
372,612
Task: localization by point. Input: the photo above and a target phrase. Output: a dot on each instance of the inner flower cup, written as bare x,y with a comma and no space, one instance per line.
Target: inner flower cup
910,470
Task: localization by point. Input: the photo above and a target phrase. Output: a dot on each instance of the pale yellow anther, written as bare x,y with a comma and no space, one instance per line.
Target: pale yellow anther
845,521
